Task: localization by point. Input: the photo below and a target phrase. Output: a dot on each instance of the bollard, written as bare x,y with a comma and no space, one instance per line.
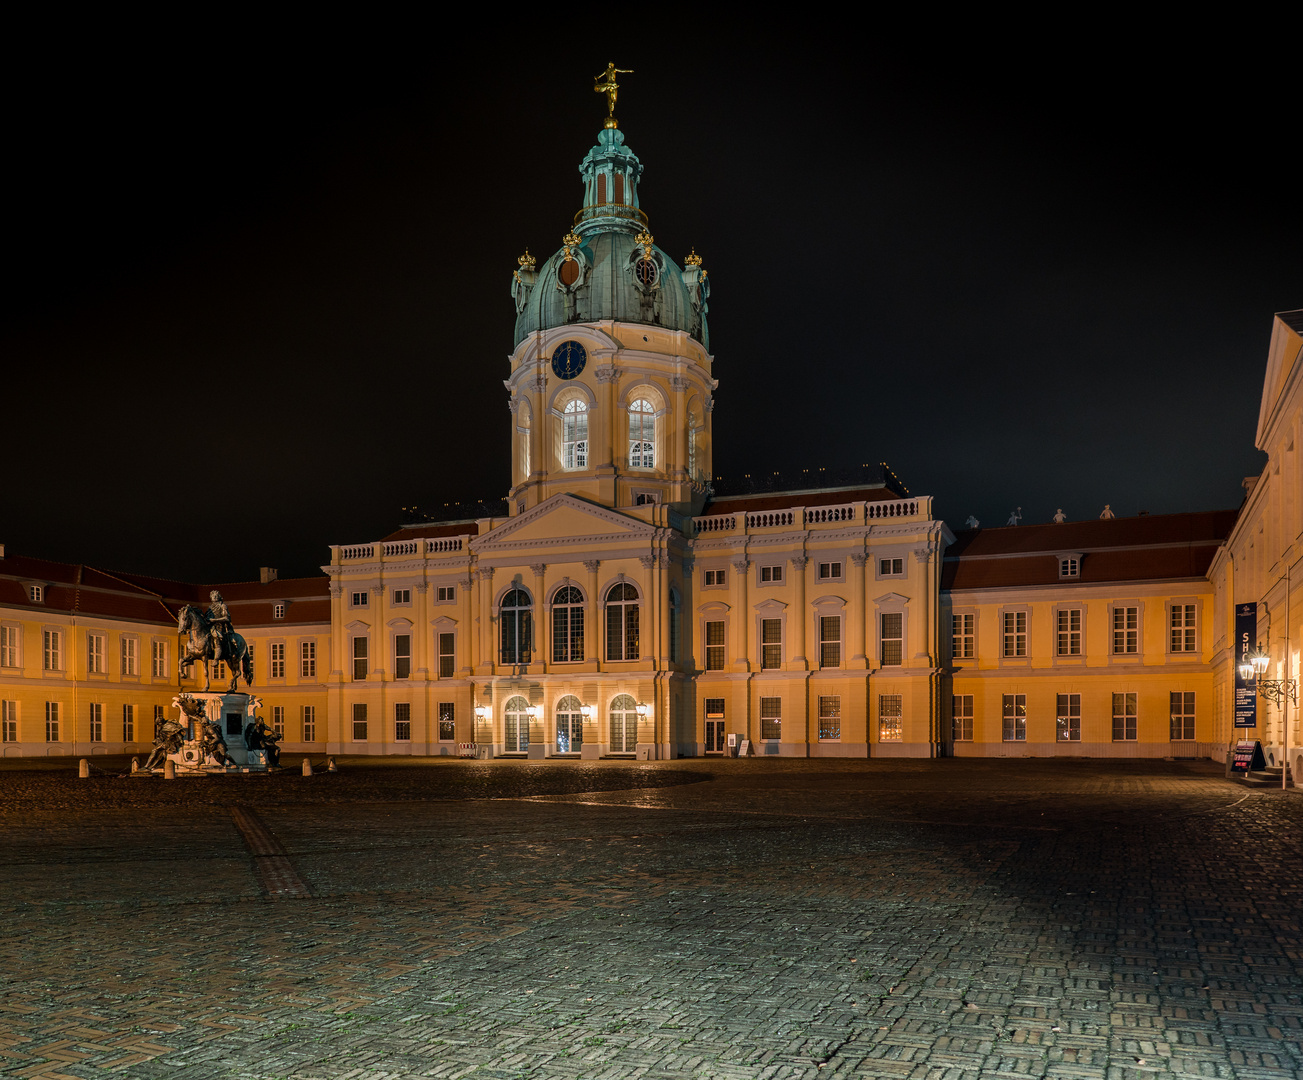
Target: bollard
330,765
83,769
307,767
169,769
135,765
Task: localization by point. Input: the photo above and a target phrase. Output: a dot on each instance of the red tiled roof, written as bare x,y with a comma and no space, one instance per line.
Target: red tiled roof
416,532
780,500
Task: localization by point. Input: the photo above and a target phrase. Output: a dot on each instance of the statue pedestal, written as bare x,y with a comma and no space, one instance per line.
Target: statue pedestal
232,713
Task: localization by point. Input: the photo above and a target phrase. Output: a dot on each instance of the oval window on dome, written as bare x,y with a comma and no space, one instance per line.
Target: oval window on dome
568,272
646,271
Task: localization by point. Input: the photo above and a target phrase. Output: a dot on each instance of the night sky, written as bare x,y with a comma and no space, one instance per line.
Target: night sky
258,284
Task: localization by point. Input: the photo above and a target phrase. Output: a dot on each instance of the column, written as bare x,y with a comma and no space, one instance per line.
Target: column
484,576
856,617
377,720
796,625
541,623
741,614
466,643
429,654
331,724
592,633
922,633
663,606
649,648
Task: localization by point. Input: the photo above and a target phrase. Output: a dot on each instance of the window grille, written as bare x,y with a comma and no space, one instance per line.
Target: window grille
890,717
402,721
771,643
771,718
830,717
447,724
567,625
517,625
622,612
893,639
715,646
360,649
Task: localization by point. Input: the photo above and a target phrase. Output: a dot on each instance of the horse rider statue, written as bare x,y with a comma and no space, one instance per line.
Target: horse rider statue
219,623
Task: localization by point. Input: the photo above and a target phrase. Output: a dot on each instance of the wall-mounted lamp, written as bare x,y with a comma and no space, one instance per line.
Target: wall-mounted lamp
481,713
643,708
535,711
586,711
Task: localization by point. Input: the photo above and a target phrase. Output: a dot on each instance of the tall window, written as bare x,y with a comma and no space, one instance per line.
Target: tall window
1015,633
1182,628
771,718
567,625
624,725
961,717
1068,635
642,435
128,723
830,717
1183,715
309,723
96,722
402,656
1126,630
8,721
278,720
830,641
447,655
517,639
1068,717
771,643
53,650
95,653
692,449
359,722
402,721
574,435
278,659
961,637
359,658
569,725
130,664
891,717
1015,718
158,662
9,646
308,659
1124,717
622,622
715,646
447,723
893,639
51,721
516,718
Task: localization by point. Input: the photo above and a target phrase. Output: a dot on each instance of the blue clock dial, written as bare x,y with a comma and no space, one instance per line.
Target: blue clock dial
568,359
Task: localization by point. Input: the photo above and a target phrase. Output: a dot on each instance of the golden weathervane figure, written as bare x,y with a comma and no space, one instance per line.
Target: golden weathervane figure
609,87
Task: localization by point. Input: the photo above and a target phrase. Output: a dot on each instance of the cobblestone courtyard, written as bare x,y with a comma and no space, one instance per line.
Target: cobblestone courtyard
949,919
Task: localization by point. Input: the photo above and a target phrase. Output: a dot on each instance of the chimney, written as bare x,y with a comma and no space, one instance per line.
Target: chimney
2,551
266,574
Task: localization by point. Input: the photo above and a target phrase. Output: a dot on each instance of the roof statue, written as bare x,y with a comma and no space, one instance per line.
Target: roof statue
1059,516
1107,514
610,88
972,523
1015,517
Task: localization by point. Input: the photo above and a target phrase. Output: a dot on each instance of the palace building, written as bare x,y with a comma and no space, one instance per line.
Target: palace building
623,601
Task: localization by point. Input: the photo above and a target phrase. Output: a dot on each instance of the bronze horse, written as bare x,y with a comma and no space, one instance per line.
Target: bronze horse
235,650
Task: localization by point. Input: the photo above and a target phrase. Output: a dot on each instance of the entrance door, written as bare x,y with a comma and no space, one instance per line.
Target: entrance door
569,726
624,725
714,736
517,725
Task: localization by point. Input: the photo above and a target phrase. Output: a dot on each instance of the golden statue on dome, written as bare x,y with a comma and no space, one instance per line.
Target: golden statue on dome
610,87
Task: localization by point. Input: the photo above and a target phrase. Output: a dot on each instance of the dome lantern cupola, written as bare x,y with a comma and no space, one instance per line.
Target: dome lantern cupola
611,172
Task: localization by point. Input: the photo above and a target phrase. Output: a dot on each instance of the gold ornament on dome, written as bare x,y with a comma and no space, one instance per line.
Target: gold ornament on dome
569,241
607,85
527,261
692,260
645,239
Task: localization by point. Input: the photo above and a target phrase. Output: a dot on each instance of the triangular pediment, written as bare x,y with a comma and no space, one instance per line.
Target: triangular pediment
563,519
891,598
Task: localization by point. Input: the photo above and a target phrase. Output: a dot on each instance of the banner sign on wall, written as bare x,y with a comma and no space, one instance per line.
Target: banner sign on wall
1246,638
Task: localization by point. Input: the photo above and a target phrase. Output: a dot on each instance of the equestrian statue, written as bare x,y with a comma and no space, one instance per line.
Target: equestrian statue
213,639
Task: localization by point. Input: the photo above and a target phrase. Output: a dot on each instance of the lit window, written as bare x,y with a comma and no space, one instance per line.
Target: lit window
307,659
891,708
642,435
1068,637
893,639
624,725
95,654
1015,633
96,722
1124,717
402,596
1126,630
516,723
278,611
402,721
567,625
715,646
402,656
830,641
360,599
8,721
130,666
446,593
771,573
53,651
574,435
830,571
830,717
447,655
447,726
1182,637
771,643
569,725
309,723
771,718
1183,715
891,568
278,660
961,637
1015,718
51,721
1068,717
714,577
961,717
359,722
128,723
622,622
517,626
360,648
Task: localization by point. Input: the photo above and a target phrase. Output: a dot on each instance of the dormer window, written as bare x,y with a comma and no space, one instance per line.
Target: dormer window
278,611
36,594
1069,567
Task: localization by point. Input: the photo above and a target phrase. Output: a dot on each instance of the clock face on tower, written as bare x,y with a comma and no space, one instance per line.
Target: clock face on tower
568,359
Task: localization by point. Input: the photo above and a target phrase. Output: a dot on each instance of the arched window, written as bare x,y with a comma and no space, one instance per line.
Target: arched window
522,433
622,622
624,725
642,435
517,640
516,716
567,625
574,435
569,725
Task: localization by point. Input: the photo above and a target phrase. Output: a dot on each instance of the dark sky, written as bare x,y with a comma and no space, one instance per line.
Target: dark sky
258,283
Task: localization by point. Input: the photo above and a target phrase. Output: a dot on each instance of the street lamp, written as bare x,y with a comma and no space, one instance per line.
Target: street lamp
643,708
1274,690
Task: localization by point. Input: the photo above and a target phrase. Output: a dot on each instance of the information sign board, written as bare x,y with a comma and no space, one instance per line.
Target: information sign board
1247,756
1246,692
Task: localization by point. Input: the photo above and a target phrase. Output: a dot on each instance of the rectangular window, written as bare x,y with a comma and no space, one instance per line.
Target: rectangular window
771,573
830,641
278,720
130,664
216,670
1067,638
360,599
1183,715
714,707
1182,636
447,725
402,596
128,723
278,659
771,718
359,723
309,723
8,721
278,611
36,593
829,571
771,643
568,629
714,577
9,646
158,715
445,593
891,568
1126,630
95,654
51,721
1015,718
1015,633
158,663
1124,717
1069,567
891,712
308,659
830,717
96,722
893,639
714,646
402,656
53,650
402,721
1068,717
961,637
961,717
359,658
447,655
